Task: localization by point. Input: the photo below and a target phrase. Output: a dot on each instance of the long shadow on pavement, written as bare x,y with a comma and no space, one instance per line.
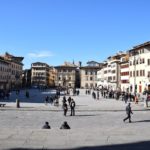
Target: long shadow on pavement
130,146
141,121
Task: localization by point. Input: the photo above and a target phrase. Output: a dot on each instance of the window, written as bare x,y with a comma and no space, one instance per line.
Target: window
130,63
86,78
86,85
130,73
143,61
140,72
148,74
114,78
124,73
86,73
137,73
109,78
148,62
143,72
133,73
113,71
91,78
125,66
105,72
91,85
124,81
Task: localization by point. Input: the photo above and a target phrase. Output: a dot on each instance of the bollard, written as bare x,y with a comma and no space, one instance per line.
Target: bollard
17,103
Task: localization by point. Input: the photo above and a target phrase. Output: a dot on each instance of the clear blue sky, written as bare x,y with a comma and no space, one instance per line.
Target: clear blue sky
53,31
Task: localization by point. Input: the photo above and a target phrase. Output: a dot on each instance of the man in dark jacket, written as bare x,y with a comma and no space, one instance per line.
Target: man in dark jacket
129,112
72,106
46,126
65,107
65,125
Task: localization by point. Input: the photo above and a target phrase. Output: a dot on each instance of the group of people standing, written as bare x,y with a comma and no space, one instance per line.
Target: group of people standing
71,103
52,100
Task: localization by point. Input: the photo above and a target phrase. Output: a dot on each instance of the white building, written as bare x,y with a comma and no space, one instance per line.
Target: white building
102,77
124,72
140,68
88,74
109,75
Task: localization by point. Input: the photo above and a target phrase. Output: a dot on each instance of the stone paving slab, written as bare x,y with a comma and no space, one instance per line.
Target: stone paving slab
98,123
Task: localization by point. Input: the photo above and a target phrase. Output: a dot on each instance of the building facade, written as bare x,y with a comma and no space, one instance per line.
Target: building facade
39,74
88,74
15,68
139,68
109,75
5,74
66,75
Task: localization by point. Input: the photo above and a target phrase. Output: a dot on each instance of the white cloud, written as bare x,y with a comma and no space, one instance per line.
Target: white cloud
41,54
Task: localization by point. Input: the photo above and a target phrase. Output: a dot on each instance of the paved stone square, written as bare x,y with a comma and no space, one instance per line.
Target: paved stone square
98,124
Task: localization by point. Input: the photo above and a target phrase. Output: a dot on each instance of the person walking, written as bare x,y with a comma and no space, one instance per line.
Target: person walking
128,112
72,106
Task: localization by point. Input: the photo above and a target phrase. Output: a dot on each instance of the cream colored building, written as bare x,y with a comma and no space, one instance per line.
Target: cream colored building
88,74
102,77
139,68
39,74
66,75
15,70
5,74
52,76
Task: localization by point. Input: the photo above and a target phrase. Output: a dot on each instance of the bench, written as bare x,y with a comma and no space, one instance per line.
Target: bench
2,105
